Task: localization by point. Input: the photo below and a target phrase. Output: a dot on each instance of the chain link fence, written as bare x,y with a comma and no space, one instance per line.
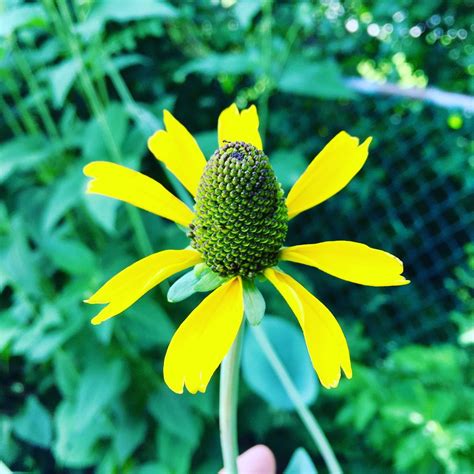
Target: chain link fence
412,198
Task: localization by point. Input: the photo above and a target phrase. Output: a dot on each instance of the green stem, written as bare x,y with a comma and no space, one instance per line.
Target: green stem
303,411
228,397
9,117
267,64
28,120
30,79
127,98
65,28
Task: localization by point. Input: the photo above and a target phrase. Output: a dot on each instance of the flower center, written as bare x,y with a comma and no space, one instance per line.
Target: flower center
241,217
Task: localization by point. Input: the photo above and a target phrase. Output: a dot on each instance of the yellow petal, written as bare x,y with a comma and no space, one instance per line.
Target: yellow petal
179,151
125,184
325,340
204,338
330,171
350,261
127,286
234,126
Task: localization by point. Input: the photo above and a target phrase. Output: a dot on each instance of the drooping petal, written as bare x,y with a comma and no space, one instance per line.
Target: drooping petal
127,286
204,338
179,151
324,338
125,184
330,171
351,261
235,126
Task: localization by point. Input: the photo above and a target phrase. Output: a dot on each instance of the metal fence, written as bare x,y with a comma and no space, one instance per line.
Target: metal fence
412,199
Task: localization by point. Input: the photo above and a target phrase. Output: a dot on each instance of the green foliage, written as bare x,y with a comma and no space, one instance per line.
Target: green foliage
288,342
415,410
83,81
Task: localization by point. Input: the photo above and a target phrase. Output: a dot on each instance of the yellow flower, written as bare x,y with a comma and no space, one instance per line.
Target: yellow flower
237,229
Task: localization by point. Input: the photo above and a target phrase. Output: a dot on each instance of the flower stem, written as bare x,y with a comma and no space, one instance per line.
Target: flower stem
228,397
303,411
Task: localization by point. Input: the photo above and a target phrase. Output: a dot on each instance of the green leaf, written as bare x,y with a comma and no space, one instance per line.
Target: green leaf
65,374
321,79
129,434
221,63
175,415
20,16
65,193
70,255
254,303
174,452
120,11
246,11
98,386
288,343
103,211
183,287
288,166
33,424
22,154
300,463
75,445
62,77
4,469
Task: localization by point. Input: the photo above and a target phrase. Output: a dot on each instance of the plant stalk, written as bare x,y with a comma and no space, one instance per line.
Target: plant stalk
228,398
303,411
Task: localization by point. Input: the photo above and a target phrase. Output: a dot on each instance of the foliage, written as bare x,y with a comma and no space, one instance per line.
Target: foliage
82,81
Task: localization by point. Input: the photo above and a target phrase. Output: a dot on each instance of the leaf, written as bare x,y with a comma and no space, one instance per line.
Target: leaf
33,424
4,469
246,11
288,343
98,386
61,78
19,263
300,463
103,211
221,63
20,16
70,255
321,79
288,166
254,303
168,447
65,193
22,154
129,434
147,324
74,445
207,142
65,374
174,415
120,11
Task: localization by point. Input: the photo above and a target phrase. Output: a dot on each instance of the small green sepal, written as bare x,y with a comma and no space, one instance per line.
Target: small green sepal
254,303
208,280
182,288
200,279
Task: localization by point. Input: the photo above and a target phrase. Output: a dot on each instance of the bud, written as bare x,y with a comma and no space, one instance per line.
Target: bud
241,217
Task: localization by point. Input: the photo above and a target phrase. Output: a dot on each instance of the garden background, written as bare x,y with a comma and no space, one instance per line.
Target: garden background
87,80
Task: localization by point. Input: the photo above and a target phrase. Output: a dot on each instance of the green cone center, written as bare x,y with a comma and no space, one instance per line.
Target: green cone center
241,217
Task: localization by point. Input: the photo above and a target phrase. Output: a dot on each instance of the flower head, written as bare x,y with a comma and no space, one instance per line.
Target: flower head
237,230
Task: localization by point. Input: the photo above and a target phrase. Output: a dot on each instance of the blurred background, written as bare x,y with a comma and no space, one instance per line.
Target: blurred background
88,80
